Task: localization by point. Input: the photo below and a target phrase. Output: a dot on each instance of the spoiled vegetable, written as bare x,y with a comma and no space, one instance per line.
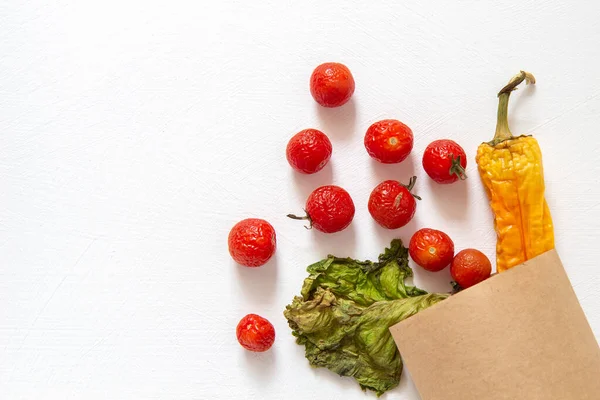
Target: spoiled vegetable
344,312
512,174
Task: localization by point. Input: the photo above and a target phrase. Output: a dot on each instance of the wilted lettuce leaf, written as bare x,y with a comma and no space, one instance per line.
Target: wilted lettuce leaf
346,308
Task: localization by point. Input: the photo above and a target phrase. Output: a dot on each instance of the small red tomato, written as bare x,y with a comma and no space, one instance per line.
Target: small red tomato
392,204
255,333
328,209
445,161
331,84
431,249
252,242
308,151
470,267
389,141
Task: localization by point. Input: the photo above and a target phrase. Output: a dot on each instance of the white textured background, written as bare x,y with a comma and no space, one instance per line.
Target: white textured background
134,134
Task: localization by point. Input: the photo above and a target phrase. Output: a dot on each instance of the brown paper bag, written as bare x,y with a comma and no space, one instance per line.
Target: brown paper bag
518,335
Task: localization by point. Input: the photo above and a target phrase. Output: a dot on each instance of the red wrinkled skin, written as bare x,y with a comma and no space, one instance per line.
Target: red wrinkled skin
431,249
389,141
437,160
252,242
469,267
308,151
330,209
392,205
331,84
255,333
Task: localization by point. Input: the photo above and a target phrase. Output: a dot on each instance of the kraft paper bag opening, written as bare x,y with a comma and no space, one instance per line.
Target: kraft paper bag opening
518,335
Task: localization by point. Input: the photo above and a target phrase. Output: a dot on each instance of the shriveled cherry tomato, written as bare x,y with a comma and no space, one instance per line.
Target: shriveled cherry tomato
255,333
470,267
391,203
331,84
389,141
445,161
252,242
308,151
328,209
431,249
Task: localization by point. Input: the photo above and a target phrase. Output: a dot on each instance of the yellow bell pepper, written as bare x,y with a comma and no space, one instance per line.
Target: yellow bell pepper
511,171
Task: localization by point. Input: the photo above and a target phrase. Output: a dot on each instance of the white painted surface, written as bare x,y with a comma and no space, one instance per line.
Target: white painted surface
134,134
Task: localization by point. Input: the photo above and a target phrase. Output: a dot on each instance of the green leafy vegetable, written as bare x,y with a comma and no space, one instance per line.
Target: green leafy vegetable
345,310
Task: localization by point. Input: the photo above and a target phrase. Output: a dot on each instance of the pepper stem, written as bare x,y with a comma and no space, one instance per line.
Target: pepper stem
502,129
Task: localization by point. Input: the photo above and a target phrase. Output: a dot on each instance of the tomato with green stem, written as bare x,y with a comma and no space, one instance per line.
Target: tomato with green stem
445,161
392,205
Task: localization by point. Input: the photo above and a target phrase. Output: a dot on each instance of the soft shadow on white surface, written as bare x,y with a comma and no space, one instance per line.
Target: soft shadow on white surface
433,282
338,123
347,385
306,183
343,384
451,200
386,235
261,366
407,386
401,172
259,283
338,244
515,101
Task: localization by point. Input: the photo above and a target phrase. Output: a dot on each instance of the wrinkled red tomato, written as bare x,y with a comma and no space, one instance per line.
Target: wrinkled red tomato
389,141
445,161
331,84
469,267
308,151
252,242
328,209
255,333
391,203
431,249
